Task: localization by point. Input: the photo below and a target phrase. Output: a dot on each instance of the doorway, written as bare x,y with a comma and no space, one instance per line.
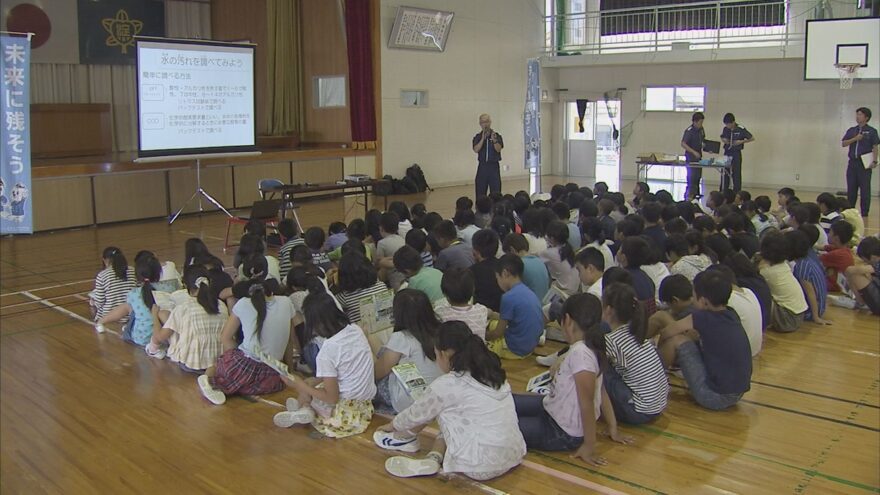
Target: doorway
593,154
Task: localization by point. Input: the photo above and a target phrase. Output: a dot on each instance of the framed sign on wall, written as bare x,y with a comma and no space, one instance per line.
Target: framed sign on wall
420,29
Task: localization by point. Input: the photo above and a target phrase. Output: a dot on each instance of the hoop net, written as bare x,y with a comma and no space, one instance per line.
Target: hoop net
847,72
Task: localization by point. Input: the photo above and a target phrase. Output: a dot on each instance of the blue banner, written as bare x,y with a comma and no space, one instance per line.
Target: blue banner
15,136
532,118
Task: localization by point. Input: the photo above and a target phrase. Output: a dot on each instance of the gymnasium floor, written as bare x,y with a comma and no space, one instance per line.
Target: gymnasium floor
87,413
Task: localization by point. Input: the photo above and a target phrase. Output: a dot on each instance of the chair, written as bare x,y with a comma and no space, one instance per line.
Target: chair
267,191
265,211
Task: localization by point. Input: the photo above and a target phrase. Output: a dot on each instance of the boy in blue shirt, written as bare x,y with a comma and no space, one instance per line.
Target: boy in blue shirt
534,273
521,322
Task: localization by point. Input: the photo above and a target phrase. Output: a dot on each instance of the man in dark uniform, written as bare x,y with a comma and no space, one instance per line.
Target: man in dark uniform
487,145
861,140
692,142
734,138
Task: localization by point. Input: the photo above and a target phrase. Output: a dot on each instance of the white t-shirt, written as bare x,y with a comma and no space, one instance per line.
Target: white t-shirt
273,269
476,316
746,305
595,289
606,252
562,402
388,245
657,272
347,357
276,327
467,234
537,245
411,352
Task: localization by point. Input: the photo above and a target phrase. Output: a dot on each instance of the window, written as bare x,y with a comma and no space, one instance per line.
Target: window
329,91
674,99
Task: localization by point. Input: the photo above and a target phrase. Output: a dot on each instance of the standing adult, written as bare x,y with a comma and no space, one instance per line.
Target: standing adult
734,138
861,140
692,142
487,145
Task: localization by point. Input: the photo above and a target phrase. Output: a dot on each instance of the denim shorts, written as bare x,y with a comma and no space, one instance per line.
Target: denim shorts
622,400
690,359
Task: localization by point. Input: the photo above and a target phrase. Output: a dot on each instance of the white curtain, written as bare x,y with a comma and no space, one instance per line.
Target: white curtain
115,84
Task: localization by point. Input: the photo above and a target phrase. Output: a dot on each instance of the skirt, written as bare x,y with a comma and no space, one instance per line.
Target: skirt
349,417
238,374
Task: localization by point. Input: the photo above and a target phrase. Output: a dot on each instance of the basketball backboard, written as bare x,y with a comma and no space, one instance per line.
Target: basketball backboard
832,42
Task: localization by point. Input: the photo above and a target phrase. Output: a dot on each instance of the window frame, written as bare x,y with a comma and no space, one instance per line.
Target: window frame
675,88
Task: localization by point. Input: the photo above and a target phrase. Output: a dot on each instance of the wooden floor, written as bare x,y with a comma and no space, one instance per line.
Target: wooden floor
87,413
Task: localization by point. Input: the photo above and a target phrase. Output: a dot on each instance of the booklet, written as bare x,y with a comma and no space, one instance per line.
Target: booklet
540,384
273,363
412,380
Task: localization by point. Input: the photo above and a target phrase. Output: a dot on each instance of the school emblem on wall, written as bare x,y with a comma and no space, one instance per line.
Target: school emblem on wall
122,30
107,28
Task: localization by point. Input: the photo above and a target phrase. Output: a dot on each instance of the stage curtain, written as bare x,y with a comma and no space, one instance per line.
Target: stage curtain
285,66
115,84
360,78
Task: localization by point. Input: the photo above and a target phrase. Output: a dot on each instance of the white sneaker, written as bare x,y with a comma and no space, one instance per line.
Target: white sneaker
842,301
292,404
547,360
301,416
156,353
406,467
386,440
99,327
215,396
543,338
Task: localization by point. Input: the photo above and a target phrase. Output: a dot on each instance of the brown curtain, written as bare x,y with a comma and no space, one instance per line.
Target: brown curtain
285,68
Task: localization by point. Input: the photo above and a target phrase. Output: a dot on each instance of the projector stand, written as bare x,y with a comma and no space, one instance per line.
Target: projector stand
200,192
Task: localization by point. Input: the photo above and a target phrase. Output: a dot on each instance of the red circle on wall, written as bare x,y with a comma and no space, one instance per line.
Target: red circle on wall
28,18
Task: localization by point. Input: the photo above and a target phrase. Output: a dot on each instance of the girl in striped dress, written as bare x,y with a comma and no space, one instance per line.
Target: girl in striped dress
112,283
635,380
193,328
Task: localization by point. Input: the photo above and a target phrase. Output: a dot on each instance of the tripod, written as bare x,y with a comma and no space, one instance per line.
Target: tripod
200,192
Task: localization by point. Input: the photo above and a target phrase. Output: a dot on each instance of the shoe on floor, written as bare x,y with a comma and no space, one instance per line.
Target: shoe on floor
842,301
301,416
100,328
406,467
154,352
543,338
386,440
292,404
215,396
547,360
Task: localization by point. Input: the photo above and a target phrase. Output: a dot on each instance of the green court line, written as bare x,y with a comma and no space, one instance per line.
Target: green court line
811,472
632,484
791,389
801,413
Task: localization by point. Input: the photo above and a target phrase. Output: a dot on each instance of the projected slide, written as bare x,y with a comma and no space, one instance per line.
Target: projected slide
194,97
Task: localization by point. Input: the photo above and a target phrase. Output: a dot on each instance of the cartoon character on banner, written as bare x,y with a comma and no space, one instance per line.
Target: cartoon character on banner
4,201
19,197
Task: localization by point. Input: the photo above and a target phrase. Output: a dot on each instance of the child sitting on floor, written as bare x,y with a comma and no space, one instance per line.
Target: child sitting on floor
710,345
473,405
521,321
140,305
864,280
338,401
838,256
112,284
566,418
458,287
789,303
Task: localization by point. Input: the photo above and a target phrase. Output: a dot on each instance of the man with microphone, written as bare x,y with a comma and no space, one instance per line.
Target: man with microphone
861,140
487,145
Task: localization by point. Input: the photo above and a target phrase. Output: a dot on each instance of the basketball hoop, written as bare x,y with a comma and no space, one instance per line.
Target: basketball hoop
847,72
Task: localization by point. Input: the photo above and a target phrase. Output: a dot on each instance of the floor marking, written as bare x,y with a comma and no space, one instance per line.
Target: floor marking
202,236
48,287
866,353
790,389
67,312
27,303
800,413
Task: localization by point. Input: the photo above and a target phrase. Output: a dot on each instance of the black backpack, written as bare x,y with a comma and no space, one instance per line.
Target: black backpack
415,174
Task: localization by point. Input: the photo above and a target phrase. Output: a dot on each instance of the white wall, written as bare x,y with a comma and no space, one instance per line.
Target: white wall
797,124
483,70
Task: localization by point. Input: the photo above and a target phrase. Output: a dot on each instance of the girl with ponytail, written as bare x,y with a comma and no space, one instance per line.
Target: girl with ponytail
636,381
559,258
112,283
266,321
140,305
194,326
565,419
472,404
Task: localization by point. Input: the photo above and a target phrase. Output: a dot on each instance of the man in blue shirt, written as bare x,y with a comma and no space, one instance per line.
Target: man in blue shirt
861,140
734,138
487,144
692,142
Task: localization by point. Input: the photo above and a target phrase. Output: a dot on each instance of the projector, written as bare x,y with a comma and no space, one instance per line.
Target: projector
357,178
